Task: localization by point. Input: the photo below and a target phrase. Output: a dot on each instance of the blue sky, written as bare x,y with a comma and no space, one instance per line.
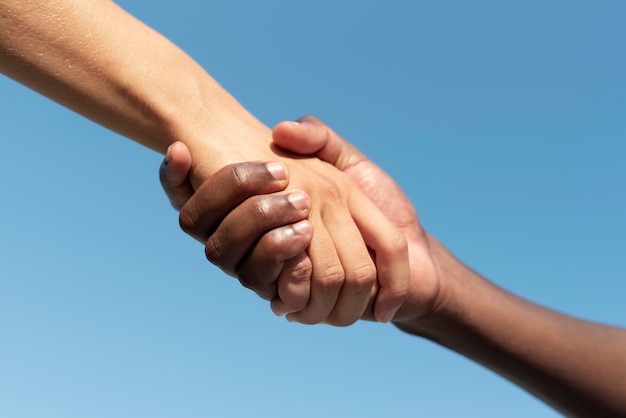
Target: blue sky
503,120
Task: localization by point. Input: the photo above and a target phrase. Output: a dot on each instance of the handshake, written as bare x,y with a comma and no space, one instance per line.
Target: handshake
346,244
316,228
352,248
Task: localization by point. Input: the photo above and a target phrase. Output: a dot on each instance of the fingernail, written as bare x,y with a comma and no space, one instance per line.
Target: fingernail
299,200
277,170
168,156
387,316
303,227
282,312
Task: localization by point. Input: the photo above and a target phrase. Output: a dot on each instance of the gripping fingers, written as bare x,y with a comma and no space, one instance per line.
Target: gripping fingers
359,269
327,276
294,285
241,229
261,269
392,256
225,190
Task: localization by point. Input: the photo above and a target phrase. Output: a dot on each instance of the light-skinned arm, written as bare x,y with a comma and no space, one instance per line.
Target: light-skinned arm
96,59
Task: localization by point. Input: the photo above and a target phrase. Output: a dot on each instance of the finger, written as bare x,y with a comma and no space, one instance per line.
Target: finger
225,190
173,174
293,136
293,285
309,135
391,252
245,224
360,271
260,270
327,276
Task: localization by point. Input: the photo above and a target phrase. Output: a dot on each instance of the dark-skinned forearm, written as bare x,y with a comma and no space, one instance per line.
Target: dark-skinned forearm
577,367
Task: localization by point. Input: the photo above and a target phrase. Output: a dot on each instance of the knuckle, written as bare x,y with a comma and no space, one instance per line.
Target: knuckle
296,278
214,249
398,242
240,176
331,277
328,188
331,191
187,219
262,207
363,277
301,272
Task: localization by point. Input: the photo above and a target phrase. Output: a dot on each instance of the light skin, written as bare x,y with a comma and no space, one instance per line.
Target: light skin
575,366
101,62
96,59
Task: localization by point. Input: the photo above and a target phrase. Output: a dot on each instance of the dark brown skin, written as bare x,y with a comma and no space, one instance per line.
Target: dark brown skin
575,366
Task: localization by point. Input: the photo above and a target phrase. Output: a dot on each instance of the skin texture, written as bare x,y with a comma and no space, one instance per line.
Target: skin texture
96,59
576,366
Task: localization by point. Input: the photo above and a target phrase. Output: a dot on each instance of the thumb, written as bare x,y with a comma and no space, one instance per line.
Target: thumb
174,174
310,136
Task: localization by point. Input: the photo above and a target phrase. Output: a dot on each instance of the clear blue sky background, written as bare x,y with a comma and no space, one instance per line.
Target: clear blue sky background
505,122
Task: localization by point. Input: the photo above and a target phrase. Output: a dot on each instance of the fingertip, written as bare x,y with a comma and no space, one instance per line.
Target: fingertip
303,228
299,136
391,255
392,295
180,153
278,307
176,164
284,129
277,170
300,201
385,316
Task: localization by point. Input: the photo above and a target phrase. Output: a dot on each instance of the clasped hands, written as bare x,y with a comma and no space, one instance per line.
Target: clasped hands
256,228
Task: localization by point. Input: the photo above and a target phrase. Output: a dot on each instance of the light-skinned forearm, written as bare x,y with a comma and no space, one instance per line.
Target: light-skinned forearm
576,366
96,59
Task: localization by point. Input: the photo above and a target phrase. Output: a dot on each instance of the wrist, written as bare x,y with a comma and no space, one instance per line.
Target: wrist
448,309
217,130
